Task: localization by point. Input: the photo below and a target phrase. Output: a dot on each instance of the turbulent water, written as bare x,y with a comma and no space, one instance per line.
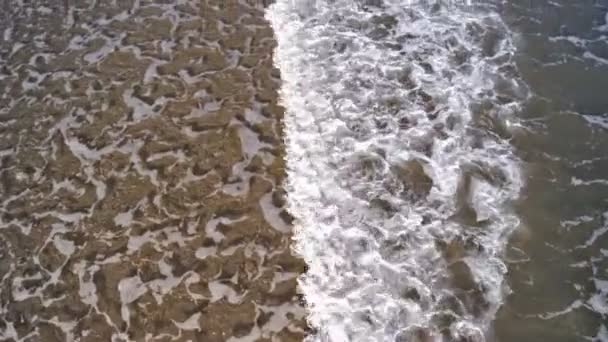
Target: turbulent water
400,169
412,139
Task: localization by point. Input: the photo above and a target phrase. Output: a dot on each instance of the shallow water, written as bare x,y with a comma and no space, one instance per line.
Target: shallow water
140,174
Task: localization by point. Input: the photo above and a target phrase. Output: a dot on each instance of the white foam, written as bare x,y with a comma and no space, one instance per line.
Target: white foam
272,214
211,227
203,252
87,289
598,303
254,115
130,289
597,121
571,307
250,144
597,233
219,291
64,247
66,327
16,47
141,110
579,42
160,287
602,334
8,33
590,55
349,92
578,182
191,323
604,27
136,242
109,46
124,219
152,71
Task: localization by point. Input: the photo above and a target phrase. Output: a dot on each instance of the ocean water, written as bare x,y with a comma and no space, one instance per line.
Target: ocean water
558,264
447,167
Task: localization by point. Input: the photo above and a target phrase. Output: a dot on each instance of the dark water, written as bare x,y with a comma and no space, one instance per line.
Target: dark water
558,261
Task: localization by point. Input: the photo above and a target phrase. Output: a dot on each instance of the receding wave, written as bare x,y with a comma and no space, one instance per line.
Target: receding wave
400,171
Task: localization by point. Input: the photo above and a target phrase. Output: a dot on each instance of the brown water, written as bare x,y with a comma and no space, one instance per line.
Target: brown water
140,172
558,261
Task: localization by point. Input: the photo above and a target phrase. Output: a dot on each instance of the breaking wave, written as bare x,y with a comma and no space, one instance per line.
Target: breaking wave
400,171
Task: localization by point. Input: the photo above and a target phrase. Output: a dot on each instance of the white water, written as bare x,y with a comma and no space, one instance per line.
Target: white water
382,101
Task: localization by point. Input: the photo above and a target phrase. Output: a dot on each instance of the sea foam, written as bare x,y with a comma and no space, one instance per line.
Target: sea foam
400,173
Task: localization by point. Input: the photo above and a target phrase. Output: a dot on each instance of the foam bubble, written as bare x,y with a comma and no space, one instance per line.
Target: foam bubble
597,121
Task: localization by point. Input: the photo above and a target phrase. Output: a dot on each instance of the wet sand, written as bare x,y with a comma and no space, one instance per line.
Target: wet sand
141,163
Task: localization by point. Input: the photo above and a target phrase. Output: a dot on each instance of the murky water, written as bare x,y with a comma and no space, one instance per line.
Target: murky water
558,261
140,174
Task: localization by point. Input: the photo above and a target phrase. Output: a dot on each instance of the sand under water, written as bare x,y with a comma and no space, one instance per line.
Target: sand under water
140,174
